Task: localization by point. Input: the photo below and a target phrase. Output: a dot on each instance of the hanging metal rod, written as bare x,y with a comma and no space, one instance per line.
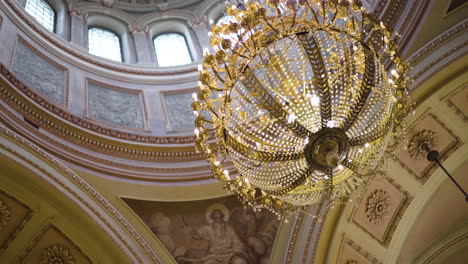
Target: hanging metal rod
433,156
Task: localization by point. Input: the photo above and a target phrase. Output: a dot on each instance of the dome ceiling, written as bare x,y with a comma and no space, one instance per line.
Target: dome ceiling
120,166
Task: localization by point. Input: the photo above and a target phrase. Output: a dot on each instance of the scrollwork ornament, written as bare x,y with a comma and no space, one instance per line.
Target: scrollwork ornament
377,206
421,143
4,214
56,254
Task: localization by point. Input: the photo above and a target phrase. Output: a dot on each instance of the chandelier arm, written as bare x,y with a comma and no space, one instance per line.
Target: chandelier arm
366,87
260,155
374,135
350,164
312,50
300,177
267,102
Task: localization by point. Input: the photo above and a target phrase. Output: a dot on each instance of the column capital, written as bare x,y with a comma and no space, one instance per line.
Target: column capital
75,12
198,22
136,29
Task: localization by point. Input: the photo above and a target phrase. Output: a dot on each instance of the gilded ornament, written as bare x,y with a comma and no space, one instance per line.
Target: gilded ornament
56,254
377,206
4,214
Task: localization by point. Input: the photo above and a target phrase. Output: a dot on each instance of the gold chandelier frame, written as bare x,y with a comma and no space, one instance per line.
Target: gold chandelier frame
252,30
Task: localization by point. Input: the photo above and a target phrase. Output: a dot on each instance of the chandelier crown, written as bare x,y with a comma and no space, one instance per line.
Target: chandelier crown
299,101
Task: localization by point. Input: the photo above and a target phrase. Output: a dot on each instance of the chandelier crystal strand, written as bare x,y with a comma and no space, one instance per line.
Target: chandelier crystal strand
296,96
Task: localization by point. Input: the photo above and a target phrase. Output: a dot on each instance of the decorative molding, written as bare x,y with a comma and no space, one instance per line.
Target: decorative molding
311,232
80,137
294,237
85,187
398,214
56,253
1,23
440,248
4,214
362,252
456,109
109,165
20,225
437,42
411,23
444,154
439,59
20,86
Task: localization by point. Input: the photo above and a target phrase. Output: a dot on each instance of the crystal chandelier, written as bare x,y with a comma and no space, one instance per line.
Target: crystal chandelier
297,98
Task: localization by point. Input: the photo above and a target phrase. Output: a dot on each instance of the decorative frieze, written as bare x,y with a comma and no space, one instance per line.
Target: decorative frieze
124,108
40,74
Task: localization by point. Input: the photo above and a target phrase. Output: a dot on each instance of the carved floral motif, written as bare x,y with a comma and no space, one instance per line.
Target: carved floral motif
4,214
421,143
377,206
56,254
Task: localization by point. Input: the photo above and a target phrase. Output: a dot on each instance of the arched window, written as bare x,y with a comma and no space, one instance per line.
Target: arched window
171,50
104,43
42,12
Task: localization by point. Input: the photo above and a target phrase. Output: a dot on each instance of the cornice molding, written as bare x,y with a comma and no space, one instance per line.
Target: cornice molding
437,42
59,112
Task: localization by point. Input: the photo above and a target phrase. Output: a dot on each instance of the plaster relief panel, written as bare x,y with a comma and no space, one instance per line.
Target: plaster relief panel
381,208
210,231
41,75
13,216
116,106
52,246
459,103
179,113
352,253
429,132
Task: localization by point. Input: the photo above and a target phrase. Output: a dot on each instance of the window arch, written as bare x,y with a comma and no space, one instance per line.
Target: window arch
104,43
42,12
171,50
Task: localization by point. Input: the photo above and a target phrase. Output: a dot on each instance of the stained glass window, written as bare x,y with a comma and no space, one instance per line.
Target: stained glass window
42,12
104,43
171,50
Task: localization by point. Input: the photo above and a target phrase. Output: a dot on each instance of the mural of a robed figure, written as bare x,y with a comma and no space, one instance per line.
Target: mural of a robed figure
216,231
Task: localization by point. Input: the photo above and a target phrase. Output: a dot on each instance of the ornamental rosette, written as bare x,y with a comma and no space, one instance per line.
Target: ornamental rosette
295,98
421,143
56,254
4,214
377,206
